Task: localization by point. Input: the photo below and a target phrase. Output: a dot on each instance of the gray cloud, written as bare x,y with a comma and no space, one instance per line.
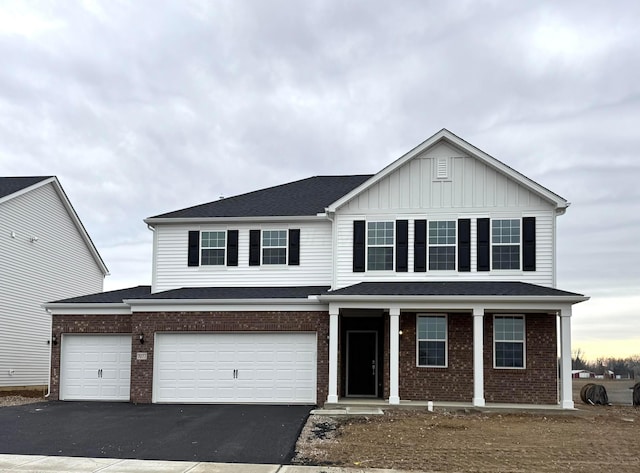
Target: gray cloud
146,107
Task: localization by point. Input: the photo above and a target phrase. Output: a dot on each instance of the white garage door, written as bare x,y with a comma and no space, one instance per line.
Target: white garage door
274,368
95,367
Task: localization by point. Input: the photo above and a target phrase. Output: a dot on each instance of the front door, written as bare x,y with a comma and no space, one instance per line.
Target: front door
362,363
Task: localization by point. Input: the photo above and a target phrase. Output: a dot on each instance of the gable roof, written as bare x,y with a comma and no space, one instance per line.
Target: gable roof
306,197
12,187
445,135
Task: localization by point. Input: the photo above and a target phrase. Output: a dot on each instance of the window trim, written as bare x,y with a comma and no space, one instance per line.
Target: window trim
285,246
454,245
492,244
392,246
223,248
446,340
523,341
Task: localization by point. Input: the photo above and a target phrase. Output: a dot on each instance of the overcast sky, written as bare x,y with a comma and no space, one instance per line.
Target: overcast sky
144,107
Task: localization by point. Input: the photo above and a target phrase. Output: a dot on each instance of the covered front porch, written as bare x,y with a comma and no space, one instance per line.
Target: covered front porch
375,355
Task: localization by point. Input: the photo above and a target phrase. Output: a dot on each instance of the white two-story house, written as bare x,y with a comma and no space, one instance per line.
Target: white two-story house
433,279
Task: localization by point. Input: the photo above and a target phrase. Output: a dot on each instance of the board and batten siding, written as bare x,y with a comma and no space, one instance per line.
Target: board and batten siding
471,189
56,266
170,270
470,184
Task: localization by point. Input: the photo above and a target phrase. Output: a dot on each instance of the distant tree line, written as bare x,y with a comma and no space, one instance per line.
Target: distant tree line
624,367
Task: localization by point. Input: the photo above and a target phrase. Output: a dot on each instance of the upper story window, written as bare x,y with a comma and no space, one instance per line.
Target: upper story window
213,245
505,244
432,340
442,245
380,241
508,341
274,247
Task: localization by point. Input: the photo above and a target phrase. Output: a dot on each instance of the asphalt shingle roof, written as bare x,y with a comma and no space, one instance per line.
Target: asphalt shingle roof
109,297
9,185
449,288
240,293
300,198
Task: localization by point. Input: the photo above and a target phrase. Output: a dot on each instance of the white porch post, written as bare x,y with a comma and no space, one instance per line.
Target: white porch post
333,354
566,387
478,357
394,355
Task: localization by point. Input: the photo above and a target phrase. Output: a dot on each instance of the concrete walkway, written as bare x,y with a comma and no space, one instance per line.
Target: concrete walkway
42,464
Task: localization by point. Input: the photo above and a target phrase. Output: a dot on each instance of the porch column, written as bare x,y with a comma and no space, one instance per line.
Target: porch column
478,357
394,354
333,354
566,387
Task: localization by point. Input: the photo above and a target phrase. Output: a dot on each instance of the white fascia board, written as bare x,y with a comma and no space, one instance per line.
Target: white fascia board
87,309
24,190
492,305
257,220
226,305
465,300
446,135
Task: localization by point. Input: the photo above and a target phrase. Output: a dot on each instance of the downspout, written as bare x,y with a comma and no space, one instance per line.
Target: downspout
50,349
334,238
153,258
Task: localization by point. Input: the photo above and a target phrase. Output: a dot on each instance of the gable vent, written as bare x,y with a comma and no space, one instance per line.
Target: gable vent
442,168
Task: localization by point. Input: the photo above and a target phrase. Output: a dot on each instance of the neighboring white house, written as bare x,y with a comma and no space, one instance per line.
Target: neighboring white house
45,254
433,279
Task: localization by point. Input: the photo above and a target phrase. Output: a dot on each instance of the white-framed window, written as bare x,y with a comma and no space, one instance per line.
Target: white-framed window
431,344
380,241
442,245
505,244
212,248
509,341
274,247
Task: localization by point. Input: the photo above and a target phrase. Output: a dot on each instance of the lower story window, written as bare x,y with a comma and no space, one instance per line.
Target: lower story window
508,336
432,340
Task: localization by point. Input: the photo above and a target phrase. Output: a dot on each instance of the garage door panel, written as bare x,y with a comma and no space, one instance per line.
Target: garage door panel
95,367
235,367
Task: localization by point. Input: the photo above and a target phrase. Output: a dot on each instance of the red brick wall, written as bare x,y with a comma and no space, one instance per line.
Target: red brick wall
149,323
79,324
537,384
454,383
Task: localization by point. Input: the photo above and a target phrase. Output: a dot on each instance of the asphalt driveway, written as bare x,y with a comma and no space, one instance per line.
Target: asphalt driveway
212,433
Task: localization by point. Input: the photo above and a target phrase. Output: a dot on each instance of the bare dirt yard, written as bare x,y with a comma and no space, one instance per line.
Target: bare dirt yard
17,398
590,439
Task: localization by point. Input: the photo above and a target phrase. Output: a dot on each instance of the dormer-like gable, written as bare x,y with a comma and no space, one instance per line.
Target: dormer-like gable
447,172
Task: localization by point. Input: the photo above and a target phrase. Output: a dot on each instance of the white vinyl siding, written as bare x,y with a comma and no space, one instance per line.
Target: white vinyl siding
273,368
171,270
544,251
56,266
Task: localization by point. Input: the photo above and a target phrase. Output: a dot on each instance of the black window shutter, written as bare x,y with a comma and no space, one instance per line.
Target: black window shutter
294,247
254,247
358,246
529,243
232,247
464,244
483,244
194,248
402,246
420,246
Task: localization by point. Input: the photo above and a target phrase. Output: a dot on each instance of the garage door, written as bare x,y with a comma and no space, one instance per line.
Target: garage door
95,367
273,368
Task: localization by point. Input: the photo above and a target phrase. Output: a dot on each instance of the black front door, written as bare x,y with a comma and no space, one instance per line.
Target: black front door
362,363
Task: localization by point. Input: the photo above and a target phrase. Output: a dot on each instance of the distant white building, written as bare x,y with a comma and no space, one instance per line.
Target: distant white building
45,254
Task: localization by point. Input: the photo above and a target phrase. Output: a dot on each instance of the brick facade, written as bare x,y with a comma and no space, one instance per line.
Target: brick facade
453,383
149,323
537,384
